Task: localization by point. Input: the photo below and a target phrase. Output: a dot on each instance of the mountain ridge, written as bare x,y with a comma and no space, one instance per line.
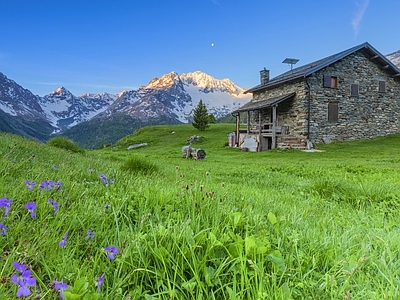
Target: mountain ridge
170,98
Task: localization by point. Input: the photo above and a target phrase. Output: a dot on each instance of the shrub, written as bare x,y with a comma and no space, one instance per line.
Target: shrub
64,143
135,164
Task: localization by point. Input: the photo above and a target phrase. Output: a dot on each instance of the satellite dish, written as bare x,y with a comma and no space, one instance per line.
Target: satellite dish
291,62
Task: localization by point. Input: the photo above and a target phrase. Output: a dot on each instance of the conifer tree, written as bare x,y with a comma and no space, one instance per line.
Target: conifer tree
200,117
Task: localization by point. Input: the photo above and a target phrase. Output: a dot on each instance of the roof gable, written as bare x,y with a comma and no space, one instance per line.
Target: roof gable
308,69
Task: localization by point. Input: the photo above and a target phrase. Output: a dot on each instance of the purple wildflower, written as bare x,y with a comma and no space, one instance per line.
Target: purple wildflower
104,179
100,281
45,184
3,229
23,280
60,286
49,184
107,206
54,204
58,185
6,203
64,240
31,206
56,167
111,252
30,184
90,234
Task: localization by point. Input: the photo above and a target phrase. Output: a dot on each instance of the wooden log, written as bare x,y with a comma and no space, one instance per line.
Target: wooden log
198,154
189,152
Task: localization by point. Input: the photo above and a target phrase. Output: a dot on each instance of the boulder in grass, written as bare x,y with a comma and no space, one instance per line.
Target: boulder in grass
136,146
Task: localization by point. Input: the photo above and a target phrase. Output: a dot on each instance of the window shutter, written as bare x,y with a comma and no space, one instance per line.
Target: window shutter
334,82
382,86
327,81
354,89
333,112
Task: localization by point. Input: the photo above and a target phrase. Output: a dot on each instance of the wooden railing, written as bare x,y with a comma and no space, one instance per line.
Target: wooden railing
266,128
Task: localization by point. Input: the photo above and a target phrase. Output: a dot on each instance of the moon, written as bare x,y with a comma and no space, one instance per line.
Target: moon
212,44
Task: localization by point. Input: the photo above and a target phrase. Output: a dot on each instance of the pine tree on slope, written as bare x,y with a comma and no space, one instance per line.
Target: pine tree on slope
200,117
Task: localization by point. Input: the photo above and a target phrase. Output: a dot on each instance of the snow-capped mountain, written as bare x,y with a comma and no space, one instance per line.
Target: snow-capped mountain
20,111
17,101
65,110
170,98
175,97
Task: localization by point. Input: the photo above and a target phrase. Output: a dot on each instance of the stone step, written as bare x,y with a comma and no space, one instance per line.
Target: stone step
298,146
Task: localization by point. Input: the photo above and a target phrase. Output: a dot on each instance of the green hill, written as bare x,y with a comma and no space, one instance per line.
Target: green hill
147,223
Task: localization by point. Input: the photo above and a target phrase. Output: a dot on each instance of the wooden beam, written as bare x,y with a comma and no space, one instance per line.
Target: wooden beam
273,142
396,75
237,129
260,133
385,67
248,122
375,57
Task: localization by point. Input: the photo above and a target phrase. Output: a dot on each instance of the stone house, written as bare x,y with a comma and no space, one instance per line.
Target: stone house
351,95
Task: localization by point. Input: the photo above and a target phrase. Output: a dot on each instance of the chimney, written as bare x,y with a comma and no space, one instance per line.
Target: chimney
264,76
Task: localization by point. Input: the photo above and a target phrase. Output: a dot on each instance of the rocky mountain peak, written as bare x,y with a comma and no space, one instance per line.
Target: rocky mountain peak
207,83
61,92
165,81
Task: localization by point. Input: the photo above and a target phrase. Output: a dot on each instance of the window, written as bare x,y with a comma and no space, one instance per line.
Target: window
333,111
330,81
354,90
382,86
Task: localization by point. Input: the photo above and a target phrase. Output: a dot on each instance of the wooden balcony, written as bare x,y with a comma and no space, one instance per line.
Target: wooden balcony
266,129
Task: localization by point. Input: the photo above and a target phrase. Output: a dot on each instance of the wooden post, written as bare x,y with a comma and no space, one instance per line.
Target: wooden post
273,144
260,132
248,122
237,129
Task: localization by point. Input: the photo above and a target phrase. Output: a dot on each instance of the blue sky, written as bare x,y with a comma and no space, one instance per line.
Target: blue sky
97,46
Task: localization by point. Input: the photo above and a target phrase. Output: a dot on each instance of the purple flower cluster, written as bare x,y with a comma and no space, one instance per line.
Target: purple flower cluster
31,206
6,203
100,281
49,184
54,204
3,229
60,286
111,251
64,240
90,234
23,279
104,179
30,184
23,276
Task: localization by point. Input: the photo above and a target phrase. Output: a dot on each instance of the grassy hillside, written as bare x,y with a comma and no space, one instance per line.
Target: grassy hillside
237,225
107,130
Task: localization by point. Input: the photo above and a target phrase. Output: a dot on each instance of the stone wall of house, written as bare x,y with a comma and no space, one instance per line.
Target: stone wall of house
368,115
291,113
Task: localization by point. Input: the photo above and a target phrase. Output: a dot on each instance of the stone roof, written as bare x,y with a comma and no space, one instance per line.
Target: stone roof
308,69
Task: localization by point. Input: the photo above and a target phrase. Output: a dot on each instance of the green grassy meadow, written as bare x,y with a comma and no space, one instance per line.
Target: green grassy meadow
281,224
